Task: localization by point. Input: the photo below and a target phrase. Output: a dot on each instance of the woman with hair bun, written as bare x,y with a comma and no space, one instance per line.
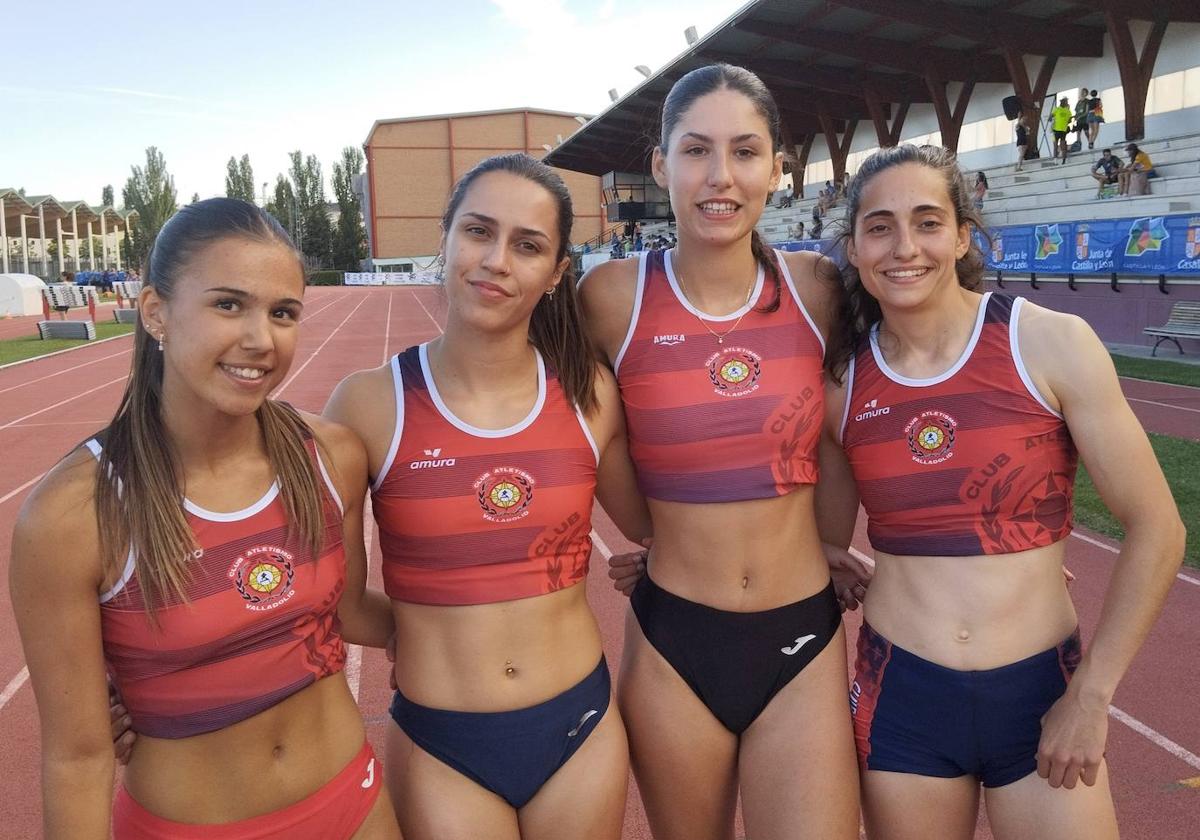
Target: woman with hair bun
205,549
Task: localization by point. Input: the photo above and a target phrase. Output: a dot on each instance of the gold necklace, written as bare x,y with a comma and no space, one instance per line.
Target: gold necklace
720,337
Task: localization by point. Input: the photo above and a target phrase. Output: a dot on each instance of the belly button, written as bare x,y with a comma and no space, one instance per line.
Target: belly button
509,670
278,752
745,582
964,635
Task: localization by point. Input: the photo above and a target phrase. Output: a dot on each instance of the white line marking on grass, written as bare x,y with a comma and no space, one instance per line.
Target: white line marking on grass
67,350
427,312
1116,550
65,370
64,402
1164,405
1183,754
14,685
300,370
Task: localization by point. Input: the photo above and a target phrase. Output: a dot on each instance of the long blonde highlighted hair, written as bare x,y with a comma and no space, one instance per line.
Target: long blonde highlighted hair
139,483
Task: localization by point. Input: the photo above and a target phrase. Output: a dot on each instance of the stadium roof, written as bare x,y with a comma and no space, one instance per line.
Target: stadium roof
831,63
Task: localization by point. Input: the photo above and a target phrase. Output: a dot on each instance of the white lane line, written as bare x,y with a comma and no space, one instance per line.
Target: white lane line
64,402
1116,550
387,329
66,370
601,545
870,561
14,685
1183,754
354,653
1156,382
300,370
28,483
427,312
67,350
1164,405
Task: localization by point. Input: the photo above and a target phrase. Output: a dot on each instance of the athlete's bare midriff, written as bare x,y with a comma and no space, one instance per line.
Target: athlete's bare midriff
739,556
972,613
495,657
257,766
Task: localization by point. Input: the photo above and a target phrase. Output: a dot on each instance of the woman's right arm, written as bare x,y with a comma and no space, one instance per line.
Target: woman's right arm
54,580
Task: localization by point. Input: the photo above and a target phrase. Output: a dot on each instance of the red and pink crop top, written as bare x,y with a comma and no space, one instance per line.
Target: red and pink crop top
969,462
259,625
475,516
721,421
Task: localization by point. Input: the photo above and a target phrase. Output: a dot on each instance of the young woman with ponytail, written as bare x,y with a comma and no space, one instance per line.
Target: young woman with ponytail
205,549
733,678
486,447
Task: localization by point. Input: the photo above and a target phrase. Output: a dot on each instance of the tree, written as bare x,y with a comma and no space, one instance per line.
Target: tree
106,196
239,179
315,236
151,192
350,238
283,206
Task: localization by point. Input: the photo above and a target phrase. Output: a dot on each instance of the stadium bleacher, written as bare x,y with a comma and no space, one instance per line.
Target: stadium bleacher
1048,192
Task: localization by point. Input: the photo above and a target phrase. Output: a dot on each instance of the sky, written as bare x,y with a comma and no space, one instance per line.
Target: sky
90,85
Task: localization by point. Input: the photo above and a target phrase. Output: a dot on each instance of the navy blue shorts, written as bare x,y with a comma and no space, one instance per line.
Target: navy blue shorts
514,753
915,716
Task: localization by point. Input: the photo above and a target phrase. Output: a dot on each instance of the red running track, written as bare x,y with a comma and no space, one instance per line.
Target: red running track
47,406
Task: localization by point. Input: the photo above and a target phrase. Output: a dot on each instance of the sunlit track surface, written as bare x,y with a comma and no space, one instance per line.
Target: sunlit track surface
44,411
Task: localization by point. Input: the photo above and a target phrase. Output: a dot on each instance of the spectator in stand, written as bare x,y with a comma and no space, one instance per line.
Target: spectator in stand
1131,179
785,198
1106,171
839,190
637,242
1080,119
1022,141
1060,119
817,224
1095,116
980,191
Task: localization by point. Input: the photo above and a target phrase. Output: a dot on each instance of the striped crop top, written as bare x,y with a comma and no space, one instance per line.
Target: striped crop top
721,421
260,622
476,516
969,462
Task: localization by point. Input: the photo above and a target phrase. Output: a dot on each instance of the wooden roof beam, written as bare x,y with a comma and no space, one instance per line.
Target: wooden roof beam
1176,11
950,64
990,28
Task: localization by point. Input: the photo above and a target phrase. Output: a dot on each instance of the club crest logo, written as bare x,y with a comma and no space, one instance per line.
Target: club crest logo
263,576
504,493
734,372
1192,246
997,247
931,437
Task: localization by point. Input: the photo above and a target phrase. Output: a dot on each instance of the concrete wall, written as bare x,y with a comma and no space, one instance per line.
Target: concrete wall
412,167
1117,317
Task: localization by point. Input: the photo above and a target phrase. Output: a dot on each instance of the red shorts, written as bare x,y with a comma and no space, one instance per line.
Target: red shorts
332,813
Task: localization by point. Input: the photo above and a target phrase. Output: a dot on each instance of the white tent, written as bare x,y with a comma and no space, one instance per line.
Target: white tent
20,294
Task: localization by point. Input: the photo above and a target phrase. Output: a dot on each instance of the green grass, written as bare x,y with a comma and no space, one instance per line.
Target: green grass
28,347
1157,370
1180,460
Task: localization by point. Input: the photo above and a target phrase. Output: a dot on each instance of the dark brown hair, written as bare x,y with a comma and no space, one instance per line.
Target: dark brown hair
859,309
556,326
705,80
139,494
